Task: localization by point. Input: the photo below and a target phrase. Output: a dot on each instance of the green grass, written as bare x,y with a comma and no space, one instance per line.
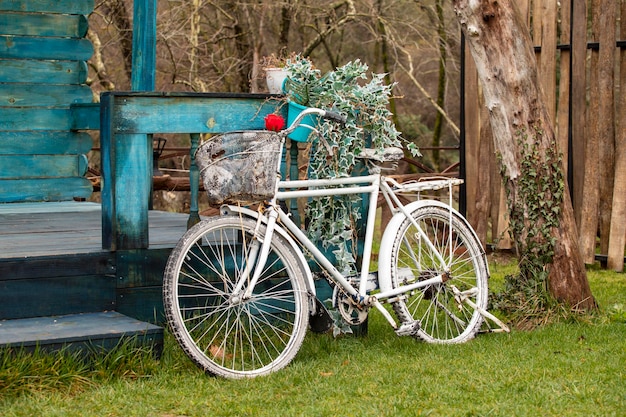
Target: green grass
575,368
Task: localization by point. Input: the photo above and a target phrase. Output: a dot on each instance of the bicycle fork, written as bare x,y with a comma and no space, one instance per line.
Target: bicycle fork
255,260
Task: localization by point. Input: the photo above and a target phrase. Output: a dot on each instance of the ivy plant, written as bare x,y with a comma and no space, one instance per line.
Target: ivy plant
534,215
364,100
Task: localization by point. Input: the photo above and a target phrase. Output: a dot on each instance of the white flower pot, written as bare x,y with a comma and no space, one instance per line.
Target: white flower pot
275,78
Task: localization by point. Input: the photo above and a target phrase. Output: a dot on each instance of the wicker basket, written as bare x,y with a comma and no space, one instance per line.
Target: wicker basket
240,167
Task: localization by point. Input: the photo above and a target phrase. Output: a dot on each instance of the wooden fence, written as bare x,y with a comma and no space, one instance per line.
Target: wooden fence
581,73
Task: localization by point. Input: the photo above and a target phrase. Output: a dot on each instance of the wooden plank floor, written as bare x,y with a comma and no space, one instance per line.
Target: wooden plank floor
43,229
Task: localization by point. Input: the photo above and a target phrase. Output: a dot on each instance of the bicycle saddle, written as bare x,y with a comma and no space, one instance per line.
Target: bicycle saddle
384,155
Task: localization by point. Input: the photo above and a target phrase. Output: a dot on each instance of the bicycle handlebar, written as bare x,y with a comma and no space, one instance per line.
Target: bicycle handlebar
336,117
325,114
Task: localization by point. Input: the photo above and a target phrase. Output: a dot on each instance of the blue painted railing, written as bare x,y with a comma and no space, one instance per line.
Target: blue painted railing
127,121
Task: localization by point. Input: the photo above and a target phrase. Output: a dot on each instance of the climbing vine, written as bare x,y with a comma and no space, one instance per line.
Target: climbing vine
535,210
363,99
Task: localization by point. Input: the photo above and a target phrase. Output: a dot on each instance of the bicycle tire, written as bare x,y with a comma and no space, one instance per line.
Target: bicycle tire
441,317
234,339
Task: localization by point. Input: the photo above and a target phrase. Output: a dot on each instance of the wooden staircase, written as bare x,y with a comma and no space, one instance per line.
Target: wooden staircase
59,287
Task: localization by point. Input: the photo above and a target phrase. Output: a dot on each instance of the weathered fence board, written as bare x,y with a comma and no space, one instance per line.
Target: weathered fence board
44,189
51,6
563,99
578,128
471,131
598,117
617,237
548,55
25,47
37,95
43,72
36,118
37,24
607,117
42,166
578,76
44,143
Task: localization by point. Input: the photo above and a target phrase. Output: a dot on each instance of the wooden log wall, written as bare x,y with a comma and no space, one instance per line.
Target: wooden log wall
581,56
43,71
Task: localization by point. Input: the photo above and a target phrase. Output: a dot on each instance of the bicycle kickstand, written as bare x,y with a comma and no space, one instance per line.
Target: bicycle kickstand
462,297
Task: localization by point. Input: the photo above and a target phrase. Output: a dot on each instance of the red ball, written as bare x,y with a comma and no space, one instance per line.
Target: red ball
274,122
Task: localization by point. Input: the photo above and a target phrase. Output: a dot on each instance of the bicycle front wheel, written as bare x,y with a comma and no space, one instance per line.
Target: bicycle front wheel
443,316
225,335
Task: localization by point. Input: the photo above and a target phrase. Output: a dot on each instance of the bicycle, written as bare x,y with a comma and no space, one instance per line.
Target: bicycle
238,291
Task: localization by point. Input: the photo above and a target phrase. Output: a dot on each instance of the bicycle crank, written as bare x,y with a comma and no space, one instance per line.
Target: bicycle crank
352,313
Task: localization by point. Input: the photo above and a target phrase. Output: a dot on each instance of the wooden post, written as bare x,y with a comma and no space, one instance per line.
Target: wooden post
144,45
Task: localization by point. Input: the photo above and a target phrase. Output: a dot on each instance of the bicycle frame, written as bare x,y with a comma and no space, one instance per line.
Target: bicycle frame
371,185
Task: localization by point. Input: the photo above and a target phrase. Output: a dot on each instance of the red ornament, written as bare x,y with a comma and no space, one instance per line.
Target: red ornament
274,122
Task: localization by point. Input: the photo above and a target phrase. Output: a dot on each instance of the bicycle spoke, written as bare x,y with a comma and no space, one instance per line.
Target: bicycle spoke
226,335
442,319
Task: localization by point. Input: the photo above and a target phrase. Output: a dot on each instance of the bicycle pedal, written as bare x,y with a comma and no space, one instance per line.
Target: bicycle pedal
409,329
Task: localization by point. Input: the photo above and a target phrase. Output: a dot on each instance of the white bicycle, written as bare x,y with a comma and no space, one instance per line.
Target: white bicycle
238,291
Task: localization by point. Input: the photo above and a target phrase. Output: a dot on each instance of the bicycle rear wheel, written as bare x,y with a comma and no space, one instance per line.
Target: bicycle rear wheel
443,318
223,335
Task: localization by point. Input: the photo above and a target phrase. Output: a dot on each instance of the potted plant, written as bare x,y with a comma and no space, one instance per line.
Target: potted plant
275,73
364,100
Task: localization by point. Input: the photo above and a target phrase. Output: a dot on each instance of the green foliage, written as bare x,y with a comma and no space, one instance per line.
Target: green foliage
23,372
364,100
535,213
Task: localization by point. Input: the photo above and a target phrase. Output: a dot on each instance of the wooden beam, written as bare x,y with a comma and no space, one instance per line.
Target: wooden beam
144,45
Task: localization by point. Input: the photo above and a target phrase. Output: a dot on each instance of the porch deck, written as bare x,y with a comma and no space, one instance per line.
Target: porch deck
62,228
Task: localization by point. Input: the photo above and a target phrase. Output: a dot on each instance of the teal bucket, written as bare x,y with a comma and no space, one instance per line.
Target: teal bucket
301,134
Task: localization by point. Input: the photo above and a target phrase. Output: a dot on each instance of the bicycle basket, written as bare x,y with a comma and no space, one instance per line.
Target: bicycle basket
240,167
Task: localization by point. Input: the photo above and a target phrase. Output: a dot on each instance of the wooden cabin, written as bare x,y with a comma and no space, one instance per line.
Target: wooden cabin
73,271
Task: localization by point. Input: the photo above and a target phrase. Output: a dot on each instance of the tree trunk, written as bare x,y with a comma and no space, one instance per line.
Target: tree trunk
541,215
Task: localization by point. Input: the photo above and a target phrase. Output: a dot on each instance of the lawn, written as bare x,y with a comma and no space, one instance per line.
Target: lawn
576,368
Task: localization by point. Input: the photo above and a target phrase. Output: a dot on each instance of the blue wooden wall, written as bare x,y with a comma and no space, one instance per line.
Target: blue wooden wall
43,54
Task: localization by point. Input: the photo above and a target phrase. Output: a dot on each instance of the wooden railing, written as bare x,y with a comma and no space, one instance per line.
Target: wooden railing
127,122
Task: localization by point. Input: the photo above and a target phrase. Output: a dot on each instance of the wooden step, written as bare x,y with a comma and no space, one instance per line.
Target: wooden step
85,331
